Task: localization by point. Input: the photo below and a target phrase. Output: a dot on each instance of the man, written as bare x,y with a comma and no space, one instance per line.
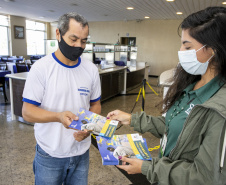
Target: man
57,86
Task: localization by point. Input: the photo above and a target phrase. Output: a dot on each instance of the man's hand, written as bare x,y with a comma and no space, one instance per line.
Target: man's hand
134,166
123,117
81,135
66,118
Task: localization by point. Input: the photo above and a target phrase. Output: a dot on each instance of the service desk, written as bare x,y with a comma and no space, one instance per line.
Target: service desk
136,75
16,85
113,81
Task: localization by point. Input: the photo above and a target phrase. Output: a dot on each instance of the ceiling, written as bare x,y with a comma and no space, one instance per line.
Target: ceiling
104,10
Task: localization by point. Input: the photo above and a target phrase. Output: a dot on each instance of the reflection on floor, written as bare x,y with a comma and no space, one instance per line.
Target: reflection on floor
17,142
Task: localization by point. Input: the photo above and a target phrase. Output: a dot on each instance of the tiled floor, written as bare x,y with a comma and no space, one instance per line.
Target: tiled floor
17,142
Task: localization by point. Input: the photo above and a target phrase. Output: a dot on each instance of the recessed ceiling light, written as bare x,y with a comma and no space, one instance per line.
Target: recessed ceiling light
74,4
224,2
146,17
129,8
170,0
179,13
0,7
41,17
9,1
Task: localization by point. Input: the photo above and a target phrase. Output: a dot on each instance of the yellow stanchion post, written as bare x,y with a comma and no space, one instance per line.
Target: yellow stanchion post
136,100
143,94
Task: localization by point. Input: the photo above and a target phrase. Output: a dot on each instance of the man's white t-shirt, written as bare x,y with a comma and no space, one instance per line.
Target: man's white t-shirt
56,87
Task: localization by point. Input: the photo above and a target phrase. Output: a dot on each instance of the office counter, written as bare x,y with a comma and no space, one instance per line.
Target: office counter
16,85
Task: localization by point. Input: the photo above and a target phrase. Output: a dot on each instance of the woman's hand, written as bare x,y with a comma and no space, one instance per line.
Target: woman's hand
134,166
123,117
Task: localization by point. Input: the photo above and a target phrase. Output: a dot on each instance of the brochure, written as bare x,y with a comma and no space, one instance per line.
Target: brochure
129,145
94,123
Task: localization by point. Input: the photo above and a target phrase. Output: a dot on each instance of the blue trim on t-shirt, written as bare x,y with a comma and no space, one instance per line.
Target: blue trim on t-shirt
76,65
31,101
95,99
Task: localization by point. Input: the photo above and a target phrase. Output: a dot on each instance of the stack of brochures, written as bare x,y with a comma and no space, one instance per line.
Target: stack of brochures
129,145
94,123
111,146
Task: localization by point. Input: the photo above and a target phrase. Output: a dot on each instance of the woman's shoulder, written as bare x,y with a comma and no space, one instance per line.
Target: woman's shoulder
218,101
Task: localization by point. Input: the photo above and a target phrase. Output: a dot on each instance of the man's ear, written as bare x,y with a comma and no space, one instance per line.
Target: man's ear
58,35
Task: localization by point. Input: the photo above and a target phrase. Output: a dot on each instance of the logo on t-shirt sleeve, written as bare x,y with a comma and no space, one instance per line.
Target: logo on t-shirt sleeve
84,91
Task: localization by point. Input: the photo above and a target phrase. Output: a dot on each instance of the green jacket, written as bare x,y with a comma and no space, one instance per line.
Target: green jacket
198,158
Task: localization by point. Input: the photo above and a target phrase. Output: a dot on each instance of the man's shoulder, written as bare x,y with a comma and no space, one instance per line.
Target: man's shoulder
43,62
44,59
85,60
89,65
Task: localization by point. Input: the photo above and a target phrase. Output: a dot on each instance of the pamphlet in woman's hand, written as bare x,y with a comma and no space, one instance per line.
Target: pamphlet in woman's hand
94,123
128,145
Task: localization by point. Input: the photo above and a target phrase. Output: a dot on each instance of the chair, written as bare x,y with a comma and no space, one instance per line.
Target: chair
2,85
21,67
29,66
4,59
33,61
164,81
34,58
3,66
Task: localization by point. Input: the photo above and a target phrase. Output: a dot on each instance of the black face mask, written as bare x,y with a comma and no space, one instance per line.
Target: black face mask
70,52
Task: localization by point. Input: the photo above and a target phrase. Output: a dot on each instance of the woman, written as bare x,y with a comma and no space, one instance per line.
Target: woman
194,130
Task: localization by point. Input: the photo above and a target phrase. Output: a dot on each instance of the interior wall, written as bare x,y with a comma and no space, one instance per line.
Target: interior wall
48,30
18,46
157,40
53,31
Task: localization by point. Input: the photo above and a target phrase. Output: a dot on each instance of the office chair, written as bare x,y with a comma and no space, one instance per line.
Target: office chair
2,85
21,67
29,66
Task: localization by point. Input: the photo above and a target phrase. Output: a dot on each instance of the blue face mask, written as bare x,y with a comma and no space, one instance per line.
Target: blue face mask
189,62
70,52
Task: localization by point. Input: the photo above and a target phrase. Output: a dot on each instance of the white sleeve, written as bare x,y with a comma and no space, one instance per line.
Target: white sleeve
96,88
34,86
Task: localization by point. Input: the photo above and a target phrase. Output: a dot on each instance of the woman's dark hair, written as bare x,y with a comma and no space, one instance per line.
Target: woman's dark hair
208,27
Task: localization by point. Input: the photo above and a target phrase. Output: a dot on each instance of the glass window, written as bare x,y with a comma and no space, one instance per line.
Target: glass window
30,25
35,32
4,36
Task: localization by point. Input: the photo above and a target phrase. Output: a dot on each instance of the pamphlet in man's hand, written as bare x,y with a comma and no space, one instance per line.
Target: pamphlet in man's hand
94,123
128,145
